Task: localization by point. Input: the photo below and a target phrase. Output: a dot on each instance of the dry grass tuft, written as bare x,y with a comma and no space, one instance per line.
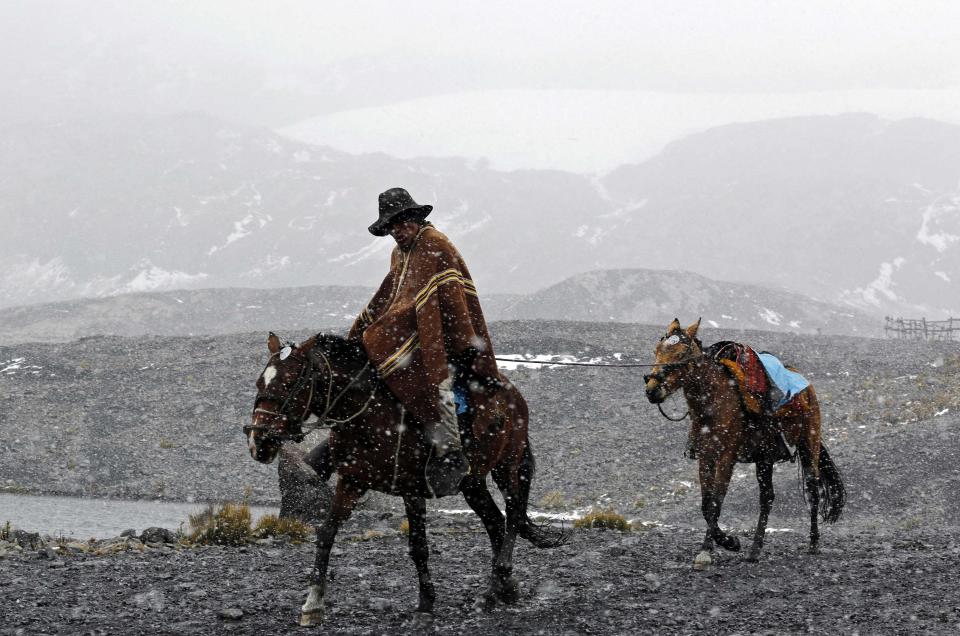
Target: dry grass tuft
274,526
405,527
226,524
603,519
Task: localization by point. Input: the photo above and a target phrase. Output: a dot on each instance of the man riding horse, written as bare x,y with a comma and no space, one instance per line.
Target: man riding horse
426,335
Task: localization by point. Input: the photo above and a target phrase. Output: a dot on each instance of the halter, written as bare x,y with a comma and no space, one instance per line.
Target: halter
660,376
307,374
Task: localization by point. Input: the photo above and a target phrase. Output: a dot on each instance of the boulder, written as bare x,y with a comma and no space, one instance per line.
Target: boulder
303,495
157,535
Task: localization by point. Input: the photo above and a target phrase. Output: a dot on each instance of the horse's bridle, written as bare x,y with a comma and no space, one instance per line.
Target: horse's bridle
307,373
660,374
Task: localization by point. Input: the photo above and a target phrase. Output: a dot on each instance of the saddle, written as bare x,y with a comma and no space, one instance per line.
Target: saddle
744,365
756,396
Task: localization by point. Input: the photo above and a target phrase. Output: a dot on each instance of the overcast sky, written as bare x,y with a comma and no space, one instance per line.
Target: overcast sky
566,84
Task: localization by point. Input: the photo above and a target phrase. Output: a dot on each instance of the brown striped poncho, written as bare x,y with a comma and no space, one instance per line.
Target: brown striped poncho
425,314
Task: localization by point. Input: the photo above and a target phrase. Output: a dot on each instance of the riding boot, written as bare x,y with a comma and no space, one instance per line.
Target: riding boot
445,472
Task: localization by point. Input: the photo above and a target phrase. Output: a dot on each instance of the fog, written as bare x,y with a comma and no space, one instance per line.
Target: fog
386,70
226,128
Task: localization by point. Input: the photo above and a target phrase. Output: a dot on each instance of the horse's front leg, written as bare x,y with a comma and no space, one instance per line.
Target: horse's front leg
765,483
715,476
344,500
707,473
419,550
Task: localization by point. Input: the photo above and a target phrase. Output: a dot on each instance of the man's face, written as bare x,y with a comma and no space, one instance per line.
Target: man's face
403,232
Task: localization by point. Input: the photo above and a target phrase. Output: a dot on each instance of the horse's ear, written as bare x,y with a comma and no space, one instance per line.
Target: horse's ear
673,326
273,343
692,329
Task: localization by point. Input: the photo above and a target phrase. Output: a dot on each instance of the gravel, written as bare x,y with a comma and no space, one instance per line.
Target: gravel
161,417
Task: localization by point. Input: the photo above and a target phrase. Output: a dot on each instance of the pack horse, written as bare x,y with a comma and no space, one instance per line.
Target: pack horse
724,431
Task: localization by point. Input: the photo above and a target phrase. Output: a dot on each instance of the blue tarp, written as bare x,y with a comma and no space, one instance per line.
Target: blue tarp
788,382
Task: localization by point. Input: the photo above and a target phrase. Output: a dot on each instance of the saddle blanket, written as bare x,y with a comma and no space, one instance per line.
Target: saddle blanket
786,383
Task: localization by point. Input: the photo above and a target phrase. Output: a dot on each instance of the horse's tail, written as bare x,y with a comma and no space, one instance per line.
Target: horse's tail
539,535
833,494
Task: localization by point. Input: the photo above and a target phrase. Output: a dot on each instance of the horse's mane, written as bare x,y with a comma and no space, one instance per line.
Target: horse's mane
340,349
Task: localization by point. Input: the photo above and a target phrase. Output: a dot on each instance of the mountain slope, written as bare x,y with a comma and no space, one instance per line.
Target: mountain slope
656,297
637,296
142,204
851,209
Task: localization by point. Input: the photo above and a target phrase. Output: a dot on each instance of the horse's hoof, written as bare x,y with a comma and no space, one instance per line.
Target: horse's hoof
311,618
703,560
753,556
729,543
814,549
508,591
420,620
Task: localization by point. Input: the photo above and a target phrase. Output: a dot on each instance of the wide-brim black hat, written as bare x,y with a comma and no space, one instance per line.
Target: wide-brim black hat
394,203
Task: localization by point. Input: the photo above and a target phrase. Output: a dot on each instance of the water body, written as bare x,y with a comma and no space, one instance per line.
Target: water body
84,518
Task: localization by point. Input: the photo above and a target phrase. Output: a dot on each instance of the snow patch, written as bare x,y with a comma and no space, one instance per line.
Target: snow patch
882,284
241,229
537,361
771,316
370,249
942,275
935,216
155,278
10,367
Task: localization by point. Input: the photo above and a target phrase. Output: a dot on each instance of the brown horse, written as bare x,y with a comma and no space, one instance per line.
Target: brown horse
375,444
719,420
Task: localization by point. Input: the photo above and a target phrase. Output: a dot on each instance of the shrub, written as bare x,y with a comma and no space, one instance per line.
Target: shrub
274,526
603,519
227,524
6,532
405,527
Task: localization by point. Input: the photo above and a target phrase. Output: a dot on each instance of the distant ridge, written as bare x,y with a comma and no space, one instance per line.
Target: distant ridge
628,295
656,296
851,209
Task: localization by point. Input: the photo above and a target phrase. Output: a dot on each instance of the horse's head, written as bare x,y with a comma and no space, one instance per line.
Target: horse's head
284,393
677,348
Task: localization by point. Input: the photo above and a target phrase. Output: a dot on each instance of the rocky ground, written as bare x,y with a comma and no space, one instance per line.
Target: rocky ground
161,417
879,581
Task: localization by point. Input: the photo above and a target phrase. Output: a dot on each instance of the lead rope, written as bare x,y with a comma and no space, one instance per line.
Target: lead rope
660,408
396,456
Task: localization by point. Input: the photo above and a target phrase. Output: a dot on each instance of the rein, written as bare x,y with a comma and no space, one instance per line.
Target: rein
308,371
672,419
332,401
